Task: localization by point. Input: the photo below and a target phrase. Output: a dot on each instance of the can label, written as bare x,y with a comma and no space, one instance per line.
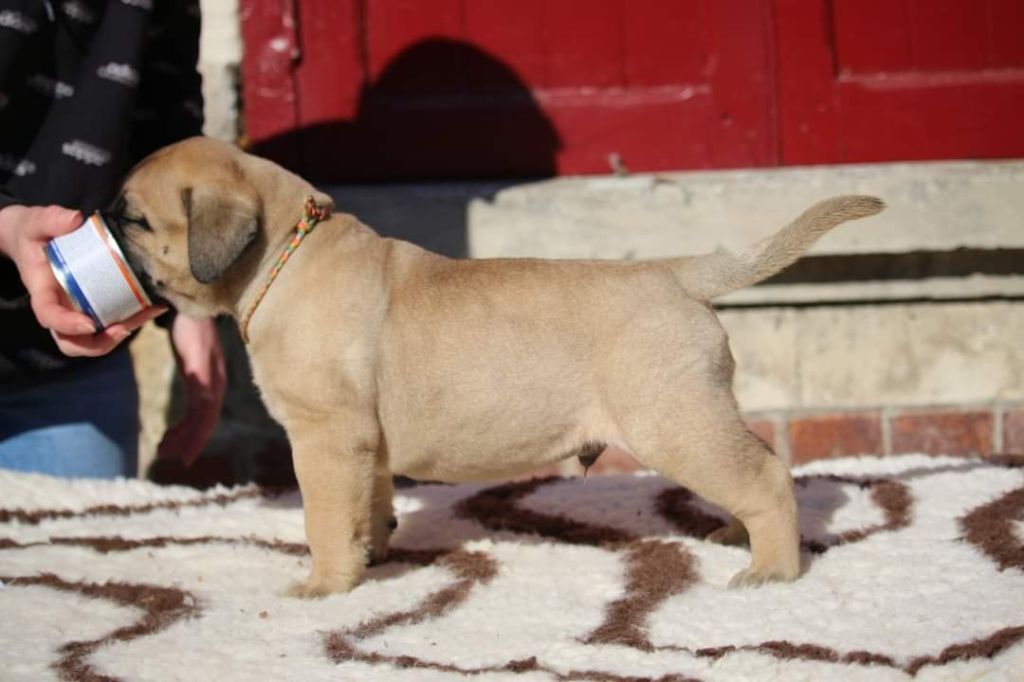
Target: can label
93,271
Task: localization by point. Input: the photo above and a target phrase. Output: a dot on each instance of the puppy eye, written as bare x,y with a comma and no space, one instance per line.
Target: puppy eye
119,215
132,216
138,221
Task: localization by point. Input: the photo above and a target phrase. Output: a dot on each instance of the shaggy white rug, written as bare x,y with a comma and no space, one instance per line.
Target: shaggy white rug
915,569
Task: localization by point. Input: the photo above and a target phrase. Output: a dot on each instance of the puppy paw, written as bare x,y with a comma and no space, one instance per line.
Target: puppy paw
732,533
751,577
316,587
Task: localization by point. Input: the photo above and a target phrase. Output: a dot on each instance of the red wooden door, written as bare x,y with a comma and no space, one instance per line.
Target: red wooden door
886,80
355,90
372,89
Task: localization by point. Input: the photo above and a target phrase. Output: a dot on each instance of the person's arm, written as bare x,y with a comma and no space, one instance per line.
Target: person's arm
200,360
24,231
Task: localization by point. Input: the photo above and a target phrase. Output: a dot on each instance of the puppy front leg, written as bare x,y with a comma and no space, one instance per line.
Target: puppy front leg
336,476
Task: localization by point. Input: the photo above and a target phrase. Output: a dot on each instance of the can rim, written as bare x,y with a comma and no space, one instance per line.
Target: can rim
107,236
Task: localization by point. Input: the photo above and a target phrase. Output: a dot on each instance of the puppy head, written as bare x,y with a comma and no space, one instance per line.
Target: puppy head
192,220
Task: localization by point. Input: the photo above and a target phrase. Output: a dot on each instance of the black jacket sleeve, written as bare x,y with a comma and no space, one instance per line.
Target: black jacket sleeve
6,198
170,103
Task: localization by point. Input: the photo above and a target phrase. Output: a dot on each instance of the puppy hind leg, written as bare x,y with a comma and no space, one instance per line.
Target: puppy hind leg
769,514
732,469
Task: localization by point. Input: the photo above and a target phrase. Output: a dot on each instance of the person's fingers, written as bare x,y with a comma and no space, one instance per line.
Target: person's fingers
47,298
137,320
101,343
89,345
53,314
53,221
66,324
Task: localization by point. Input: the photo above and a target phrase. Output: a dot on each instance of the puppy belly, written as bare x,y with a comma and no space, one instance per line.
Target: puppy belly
462,461
458,432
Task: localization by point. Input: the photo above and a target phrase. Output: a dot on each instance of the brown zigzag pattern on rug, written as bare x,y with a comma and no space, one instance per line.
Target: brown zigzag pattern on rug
647,585
789,650
1007,460
892,497
116,543
35,516
984,647
989,527
496,508
470,569
675,505
645,559
163,606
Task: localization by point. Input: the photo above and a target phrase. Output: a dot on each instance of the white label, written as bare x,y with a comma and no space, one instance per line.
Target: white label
93,265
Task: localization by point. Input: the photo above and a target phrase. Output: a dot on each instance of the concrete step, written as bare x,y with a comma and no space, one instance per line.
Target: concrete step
953,230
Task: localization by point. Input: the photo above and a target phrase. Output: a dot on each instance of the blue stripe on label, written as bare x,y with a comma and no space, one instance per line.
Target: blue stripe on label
71,284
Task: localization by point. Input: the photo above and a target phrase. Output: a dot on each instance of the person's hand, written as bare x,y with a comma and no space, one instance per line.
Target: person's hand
24,231
200,360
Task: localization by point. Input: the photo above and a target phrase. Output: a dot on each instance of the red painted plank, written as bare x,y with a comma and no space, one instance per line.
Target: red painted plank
419,89
330,74
931,120
742,84
1007,26
871,36
568,136
268,87
511,32
584,43
945,104
680,139
393,26
887,36
807,126
666,43
949,35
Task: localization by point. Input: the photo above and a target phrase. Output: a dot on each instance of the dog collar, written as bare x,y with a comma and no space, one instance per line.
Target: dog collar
311,215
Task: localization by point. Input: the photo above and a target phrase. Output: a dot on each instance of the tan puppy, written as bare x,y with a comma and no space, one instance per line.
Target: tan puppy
379,357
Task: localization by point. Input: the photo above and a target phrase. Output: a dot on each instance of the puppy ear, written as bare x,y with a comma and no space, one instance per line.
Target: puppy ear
220,227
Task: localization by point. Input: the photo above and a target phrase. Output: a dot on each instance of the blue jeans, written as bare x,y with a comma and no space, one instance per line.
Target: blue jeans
85,423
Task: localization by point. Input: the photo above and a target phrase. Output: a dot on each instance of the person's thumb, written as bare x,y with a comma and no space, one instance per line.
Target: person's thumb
53,221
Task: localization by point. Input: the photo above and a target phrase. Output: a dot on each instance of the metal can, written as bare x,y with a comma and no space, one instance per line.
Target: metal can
92,269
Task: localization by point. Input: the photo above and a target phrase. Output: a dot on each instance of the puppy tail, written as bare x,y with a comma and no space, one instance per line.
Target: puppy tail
711,275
